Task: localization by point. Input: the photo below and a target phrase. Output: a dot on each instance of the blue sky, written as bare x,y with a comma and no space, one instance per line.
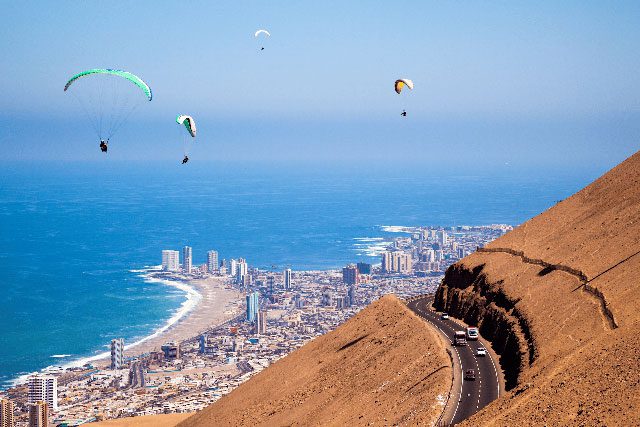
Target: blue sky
518,83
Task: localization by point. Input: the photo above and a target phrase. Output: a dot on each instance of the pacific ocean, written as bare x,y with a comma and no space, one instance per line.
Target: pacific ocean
70,234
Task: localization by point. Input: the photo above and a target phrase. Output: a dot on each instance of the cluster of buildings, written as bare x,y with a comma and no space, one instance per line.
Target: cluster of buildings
282,311
236,268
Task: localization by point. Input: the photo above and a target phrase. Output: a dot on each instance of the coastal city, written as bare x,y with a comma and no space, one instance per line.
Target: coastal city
268,314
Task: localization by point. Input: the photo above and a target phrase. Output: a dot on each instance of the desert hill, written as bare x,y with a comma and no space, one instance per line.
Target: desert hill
384,366
560,299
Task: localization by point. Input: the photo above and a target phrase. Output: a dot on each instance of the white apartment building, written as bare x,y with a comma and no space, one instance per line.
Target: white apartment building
44,388
170,260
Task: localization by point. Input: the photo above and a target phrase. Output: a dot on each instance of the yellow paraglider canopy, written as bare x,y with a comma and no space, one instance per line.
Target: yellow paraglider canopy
400,83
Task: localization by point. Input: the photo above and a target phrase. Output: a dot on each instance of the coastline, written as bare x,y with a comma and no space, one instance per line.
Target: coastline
209,302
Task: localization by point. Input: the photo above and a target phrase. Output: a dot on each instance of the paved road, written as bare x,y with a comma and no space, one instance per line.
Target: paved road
475,394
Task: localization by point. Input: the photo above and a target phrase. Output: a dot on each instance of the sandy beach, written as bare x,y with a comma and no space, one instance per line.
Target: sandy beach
214,302
219,303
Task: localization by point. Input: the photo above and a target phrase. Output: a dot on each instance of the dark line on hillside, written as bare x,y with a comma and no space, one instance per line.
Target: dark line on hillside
612,267
350,343
549,267
428,375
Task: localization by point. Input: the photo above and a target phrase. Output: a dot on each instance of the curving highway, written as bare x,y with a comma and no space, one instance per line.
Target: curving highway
468,396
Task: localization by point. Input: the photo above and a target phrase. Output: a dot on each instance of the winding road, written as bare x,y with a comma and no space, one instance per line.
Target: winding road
467,397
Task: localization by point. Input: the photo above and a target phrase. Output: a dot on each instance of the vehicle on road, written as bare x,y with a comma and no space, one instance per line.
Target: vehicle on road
470,375
459,338
444,316
472,334
481,352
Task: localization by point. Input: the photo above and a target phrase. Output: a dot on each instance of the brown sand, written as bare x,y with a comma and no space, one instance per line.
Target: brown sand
219,303
165,420
383,366
579,343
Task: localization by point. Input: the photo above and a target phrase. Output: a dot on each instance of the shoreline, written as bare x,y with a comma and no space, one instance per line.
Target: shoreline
210,301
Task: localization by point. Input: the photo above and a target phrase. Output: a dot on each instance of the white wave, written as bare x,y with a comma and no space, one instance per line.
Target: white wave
397,229
60,356
193,297
369,239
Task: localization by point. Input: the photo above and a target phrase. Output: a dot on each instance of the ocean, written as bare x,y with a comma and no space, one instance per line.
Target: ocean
76,237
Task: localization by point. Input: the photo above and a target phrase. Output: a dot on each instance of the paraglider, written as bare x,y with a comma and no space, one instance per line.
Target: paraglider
190,126
108,97
399,84
266,34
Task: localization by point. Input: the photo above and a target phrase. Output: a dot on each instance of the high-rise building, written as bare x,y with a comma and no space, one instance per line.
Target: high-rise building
44,388
39,414
187,259
270,284
351,295
396,262
364,268
212,261
261,322
287,278
387,262
233,267
242,269
350,275
117,353
136,375
441,235
253,305
170,260
403,263
6,413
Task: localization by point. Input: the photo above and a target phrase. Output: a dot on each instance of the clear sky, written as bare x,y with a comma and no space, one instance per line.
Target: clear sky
498,83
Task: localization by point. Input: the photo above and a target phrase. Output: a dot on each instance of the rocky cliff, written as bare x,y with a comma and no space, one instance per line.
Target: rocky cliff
559,299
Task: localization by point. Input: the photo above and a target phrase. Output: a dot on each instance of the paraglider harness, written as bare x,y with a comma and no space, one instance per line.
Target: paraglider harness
185,160
104,145
404,113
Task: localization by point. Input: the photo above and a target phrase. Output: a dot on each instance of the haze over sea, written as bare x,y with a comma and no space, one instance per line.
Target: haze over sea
70,234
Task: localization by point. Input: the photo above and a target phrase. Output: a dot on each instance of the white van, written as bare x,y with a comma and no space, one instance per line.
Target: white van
472,334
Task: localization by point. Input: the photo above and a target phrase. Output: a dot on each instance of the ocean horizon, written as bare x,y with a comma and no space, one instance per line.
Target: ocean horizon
77,239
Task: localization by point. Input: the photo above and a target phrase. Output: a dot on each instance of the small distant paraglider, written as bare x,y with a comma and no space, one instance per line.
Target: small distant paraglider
399,84
190,126
260,32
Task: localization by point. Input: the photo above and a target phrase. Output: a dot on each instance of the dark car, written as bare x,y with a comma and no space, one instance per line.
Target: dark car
470,374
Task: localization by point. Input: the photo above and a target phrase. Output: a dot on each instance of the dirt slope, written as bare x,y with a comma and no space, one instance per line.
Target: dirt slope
560,298
384,366
166,420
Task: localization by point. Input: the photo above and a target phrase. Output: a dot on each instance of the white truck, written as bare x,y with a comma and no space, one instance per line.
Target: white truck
459,338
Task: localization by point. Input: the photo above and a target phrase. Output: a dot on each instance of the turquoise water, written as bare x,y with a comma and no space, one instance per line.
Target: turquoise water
71,234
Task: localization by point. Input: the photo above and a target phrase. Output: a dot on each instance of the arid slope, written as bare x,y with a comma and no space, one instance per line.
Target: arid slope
560,298
383,366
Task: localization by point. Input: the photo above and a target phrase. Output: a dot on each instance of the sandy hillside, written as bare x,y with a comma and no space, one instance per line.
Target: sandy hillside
384,366
560,299
168,420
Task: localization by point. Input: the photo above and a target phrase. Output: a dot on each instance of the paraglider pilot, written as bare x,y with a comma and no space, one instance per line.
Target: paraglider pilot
404,113
104,145
185,160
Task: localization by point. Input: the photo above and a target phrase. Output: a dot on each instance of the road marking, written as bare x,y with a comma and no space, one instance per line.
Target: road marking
432,318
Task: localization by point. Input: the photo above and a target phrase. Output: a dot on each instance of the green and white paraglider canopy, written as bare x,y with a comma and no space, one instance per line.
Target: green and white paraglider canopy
188,123
108,97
